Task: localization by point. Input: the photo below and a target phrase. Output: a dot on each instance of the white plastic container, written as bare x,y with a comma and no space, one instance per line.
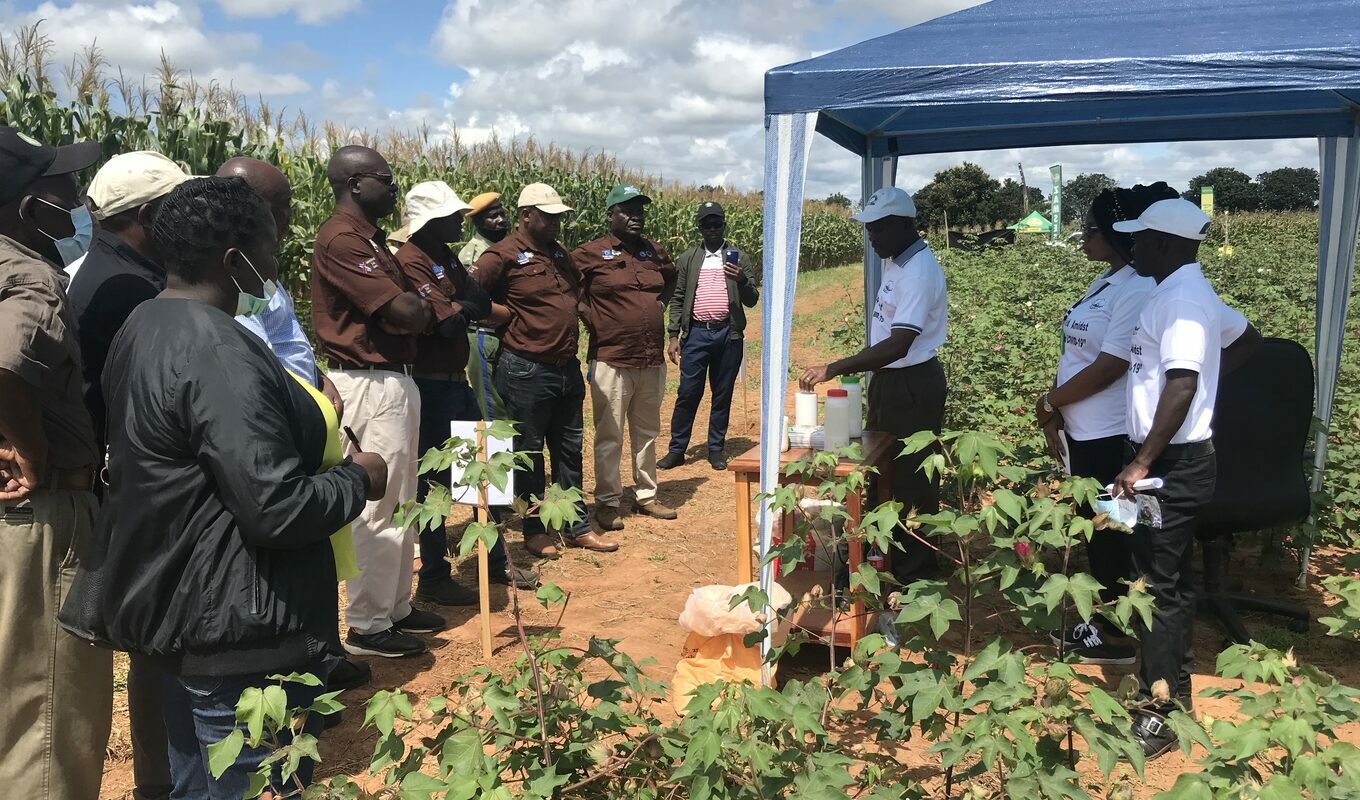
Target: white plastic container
805,410
837,419
855,390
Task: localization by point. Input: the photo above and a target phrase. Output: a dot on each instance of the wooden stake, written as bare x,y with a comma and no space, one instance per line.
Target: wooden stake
483,568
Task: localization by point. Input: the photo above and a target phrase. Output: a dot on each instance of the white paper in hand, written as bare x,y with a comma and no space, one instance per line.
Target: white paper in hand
467,495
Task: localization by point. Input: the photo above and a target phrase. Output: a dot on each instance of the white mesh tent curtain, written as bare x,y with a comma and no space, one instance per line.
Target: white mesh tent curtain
999,75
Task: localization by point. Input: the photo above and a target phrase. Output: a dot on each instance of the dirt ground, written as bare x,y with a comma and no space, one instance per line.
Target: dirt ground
636,594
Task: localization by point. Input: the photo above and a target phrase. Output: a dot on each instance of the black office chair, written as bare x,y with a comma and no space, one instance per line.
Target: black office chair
1261,423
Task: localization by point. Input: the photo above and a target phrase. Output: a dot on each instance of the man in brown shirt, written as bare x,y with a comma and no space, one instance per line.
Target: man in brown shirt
626,281
532,282
433,218
56,709
367,316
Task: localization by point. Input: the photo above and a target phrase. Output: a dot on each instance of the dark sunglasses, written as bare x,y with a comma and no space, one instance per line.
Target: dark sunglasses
381,177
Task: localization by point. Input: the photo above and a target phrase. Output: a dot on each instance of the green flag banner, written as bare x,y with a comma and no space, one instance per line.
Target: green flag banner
1056,204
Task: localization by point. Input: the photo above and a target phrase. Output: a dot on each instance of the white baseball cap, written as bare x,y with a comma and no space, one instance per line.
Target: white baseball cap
1178,217
427,201
889,201
133,179
543,197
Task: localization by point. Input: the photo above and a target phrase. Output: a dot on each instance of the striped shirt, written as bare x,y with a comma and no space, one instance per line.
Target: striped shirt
710,296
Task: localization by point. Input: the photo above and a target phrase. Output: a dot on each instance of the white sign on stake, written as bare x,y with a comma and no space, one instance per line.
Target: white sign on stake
467,495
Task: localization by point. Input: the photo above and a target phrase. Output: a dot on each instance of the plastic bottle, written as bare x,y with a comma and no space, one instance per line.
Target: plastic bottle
805,410
855,390
837,433
875,558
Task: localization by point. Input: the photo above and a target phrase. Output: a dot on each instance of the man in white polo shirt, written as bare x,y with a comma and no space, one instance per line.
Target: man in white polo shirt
1186,337
908,388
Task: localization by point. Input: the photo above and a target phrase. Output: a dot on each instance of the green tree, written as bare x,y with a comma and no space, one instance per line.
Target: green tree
1288,189
1081,191
965,193
1008,203
838,199
1233,189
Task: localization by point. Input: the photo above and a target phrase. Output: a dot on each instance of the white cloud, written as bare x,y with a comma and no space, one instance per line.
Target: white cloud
311,12
133,36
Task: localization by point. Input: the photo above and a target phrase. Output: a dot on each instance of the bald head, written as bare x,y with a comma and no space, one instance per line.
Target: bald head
362,179
269,183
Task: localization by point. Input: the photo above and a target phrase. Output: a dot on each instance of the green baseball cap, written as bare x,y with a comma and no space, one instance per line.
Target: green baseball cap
623,193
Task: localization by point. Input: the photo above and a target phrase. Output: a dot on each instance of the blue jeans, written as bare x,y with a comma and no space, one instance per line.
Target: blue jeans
547,403
440,403
715,354
200,711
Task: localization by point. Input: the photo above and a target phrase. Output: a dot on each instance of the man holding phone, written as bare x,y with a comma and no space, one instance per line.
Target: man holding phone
714,284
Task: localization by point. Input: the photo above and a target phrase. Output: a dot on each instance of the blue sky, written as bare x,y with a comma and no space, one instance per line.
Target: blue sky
672,87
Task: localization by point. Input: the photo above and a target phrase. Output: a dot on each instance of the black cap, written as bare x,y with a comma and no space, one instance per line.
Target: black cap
709,209
23,160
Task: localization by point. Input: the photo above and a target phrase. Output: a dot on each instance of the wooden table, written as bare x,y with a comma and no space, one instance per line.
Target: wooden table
879,449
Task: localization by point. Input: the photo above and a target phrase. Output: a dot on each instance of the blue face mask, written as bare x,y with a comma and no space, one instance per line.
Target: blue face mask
72,247
247,304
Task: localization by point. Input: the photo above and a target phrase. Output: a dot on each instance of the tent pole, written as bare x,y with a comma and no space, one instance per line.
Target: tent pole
788,138
876,172
1338,220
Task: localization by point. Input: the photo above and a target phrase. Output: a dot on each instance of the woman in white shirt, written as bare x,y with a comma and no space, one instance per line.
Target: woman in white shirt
1083,416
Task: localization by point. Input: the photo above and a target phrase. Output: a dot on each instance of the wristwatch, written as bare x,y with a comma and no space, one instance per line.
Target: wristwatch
1043,402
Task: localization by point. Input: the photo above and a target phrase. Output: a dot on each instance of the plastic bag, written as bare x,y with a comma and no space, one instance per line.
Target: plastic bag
715,650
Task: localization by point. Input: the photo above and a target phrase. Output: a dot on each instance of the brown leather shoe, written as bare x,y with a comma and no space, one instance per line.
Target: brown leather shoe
608,518
655,509
540,545
594,542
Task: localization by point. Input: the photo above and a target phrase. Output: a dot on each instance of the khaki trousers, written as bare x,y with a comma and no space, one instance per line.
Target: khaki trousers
57,699
620,396
383,409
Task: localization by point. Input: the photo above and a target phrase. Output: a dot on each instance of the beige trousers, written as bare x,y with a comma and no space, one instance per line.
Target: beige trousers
383,409
57,700
626,396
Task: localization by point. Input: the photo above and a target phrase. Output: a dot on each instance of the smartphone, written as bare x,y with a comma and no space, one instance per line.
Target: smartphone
732,256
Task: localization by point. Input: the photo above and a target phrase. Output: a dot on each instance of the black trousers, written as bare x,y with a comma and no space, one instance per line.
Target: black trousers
902,402
1163,557
146,719
1108,551
714,354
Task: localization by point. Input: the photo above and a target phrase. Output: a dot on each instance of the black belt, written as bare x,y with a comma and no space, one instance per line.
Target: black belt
404,369
710,325
1176,452
929,363
452,377
537,359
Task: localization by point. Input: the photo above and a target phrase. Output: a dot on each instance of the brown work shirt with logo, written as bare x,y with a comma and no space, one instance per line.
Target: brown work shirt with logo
541,288
443,281
626,292
353,276
38,343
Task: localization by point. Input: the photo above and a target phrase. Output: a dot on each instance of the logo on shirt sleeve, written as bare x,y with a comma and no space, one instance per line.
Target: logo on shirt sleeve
524,257
438,271
608,254
367,266
425,289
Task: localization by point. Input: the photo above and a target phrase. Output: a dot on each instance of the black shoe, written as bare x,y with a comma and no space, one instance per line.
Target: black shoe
348,674
445,592
422,621
390,643
521,578
717,461
1153,732
670,461
1086,643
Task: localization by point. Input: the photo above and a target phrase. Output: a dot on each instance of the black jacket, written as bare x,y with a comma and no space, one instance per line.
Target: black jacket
746,293
212,547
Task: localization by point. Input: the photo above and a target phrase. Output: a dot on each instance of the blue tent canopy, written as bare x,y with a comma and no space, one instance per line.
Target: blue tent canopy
1013,74
1010,73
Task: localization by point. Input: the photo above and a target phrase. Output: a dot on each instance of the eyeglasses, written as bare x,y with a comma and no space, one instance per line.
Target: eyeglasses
381,177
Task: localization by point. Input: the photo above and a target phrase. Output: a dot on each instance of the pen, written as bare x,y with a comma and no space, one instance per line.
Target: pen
354,440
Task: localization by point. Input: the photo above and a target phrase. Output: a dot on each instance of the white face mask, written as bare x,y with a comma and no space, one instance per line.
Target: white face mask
72,247
247,304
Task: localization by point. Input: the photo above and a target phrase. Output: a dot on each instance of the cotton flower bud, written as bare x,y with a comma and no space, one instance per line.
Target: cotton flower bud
1139,586
1289,662
1024,551
1123,791
1055,689
560,692
1161,692
1128,688
977,792
895,601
